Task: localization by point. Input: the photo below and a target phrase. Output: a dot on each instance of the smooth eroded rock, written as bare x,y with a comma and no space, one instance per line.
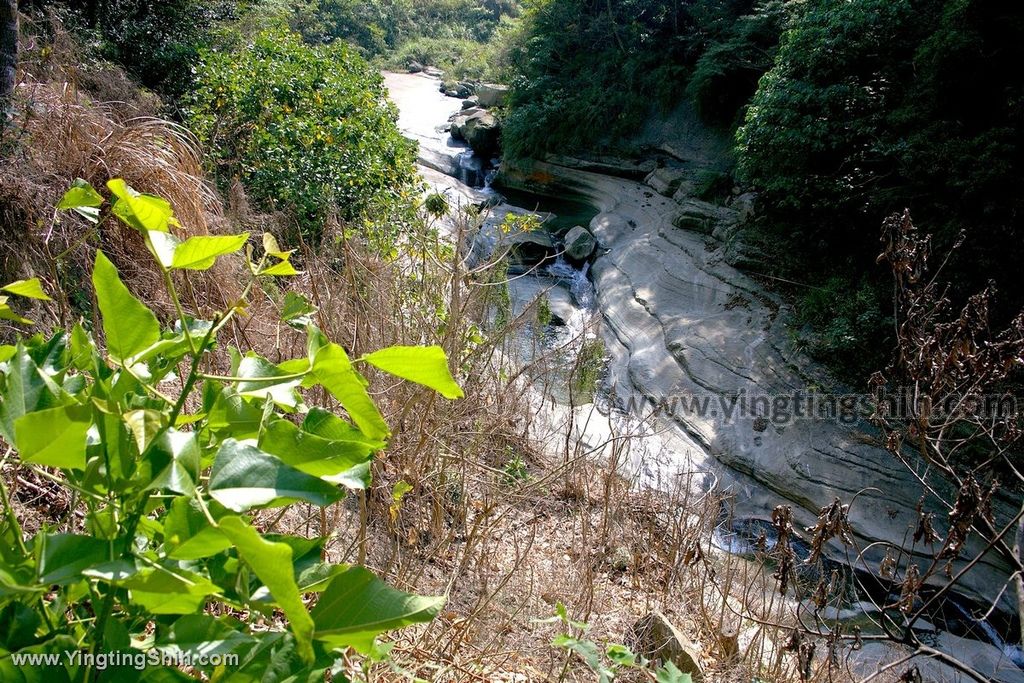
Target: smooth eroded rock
579,244
492,94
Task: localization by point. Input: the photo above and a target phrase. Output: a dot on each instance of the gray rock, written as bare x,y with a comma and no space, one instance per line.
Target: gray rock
433,71
609,165
528,248
481,130
467,87
414,67
492,94
666,181
471,102
657,639
704,217
673,330
745,206
579,244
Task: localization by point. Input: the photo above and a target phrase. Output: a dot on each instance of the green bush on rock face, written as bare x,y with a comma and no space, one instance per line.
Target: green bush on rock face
307,129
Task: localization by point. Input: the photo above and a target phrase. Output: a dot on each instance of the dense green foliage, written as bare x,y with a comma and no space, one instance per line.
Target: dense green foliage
876,106
167,481
158,42
307,129
587,73
454,35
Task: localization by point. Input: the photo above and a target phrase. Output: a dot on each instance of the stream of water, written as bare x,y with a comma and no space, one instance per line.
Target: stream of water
573,301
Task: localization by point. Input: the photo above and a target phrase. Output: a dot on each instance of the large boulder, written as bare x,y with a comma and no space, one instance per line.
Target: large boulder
528,248
471,102
478,128
657,639
414,67
666,181
491,94
704,217
579,244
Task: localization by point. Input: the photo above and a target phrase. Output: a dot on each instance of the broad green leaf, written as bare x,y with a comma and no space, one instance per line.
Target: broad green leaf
162,245
143,425
272,563
174,460
80,194
199,253
263,381
64,672
169,590
7,313
296,309
271,247
62,557
83,199
334,371
18,624
188,534
27,389
426,365
280,268
357,607
331,460
141,211
202,634
130,326
7,352
327,425
230,414
28,288
244,477
54,437
670,673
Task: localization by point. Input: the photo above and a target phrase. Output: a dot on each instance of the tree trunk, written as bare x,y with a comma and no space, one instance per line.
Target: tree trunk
8,55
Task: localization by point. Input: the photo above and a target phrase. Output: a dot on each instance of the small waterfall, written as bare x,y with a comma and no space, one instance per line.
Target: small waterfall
471,169
580,286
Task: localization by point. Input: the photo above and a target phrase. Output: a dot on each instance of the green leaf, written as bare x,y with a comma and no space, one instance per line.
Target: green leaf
188,534
28,288
130,326
83,199
144,425
279,268
296,308
63,556
357,607
426,365
7,313
54,437
202,634
27,389
327,425
169,590
199,253
334,371
272,563
339,462
174,462
141,211
244,477
670,673
263,381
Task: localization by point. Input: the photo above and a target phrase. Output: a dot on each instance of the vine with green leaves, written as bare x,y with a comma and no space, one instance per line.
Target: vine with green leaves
166,460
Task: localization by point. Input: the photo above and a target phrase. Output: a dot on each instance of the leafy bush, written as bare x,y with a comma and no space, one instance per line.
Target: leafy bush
172,565
307,129
877,106
586,74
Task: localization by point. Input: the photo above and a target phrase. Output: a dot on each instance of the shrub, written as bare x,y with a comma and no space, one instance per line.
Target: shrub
307,129
172,564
